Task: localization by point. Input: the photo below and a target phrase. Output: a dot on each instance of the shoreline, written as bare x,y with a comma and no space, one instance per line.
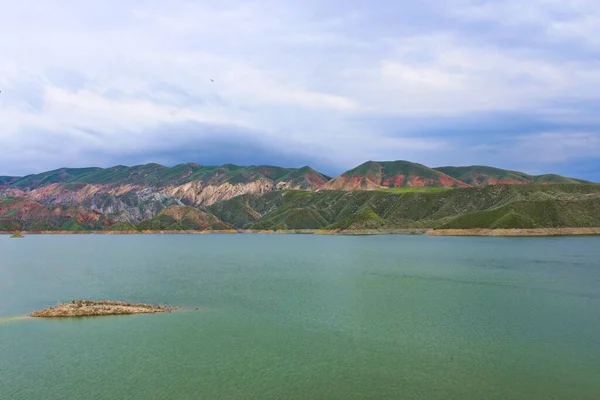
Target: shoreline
516,232
92,308
6,320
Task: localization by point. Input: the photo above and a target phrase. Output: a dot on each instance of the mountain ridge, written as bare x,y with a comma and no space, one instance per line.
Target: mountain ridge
130,195
478,175
391,174
94,174
485,207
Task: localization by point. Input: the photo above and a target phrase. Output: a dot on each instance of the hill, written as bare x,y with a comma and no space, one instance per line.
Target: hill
134,194
18,214
524,206
479,175
7,180
241,195
391,174
181,218
156,175
493,207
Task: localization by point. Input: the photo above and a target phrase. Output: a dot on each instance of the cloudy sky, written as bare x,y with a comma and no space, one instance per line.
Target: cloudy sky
509,83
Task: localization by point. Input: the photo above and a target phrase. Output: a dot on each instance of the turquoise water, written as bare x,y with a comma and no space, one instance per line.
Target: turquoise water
304,317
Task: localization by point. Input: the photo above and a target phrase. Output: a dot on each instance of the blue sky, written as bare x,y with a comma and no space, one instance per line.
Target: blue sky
513,84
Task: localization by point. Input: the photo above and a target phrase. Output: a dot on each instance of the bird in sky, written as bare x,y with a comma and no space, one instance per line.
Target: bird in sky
211,80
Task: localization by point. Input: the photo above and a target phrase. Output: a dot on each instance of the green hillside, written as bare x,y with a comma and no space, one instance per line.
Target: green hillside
181,218
374,195
156,175
391,174
497,206
479,175
487,206
56,176
7,180
576,213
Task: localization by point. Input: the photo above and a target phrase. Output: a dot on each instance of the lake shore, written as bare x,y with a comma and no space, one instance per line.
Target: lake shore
88,308
407,231
516,232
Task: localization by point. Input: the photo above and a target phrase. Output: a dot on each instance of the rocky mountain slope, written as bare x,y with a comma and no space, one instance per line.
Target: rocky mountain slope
134,194
130,195
479,175
17,214
391,174
492,206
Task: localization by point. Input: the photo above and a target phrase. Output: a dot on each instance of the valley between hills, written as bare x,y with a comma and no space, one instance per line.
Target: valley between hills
374,197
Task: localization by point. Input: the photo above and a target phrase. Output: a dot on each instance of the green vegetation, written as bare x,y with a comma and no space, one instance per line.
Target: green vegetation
16,235
577,213
417,189
364,218
499,206
9,200
122,226
55,176
374,195
392,174
496,206
7,180
183,218
10,213
156,175
19,214
478,175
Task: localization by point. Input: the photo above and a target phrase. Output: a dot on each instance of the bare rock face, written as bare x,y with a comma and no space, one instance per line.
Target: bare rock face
198,193
8,191
25,214
136,194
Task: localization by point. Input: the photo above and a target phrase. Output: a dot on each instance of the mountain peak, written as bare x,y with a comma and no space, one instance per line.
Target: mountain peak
391,174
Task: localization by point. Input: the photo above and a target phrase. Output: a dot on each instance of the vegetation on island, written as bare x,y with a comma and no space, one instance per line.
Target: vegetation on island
86,308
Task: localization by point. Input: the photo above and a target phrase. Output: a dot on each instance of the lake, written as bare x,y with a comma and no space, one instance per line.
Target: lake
303,317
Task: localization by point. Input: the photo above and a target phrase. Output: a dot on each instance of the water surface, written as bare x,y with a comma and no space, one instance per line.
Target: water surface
304,317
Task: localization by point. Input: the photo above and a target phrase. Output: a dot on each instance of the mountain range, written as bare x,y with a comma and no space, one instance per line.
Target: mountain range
195,197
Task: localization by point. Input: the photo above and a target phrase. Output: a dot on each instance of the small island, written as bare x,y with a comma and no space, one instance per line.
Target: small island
16,235
88,308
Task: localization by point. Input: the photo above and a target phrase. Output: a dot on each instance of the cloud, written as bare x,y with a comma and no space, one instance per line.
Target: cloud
328,83
554,147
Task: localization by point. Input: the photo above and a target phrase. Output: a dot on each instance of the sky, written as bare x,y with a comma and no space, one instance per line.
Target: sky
509,83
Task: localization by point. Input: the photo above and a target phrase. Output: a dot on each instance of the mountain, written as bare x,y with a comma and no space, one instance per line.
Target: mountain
492,206
179,218
498,206
157,175
134,194
18,214
7,180
479,175
227,196
391,174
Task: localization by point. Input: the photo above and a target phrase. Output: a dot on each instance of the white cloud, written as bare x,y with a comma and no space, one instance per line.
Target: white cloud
456,77
295,73
553,147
